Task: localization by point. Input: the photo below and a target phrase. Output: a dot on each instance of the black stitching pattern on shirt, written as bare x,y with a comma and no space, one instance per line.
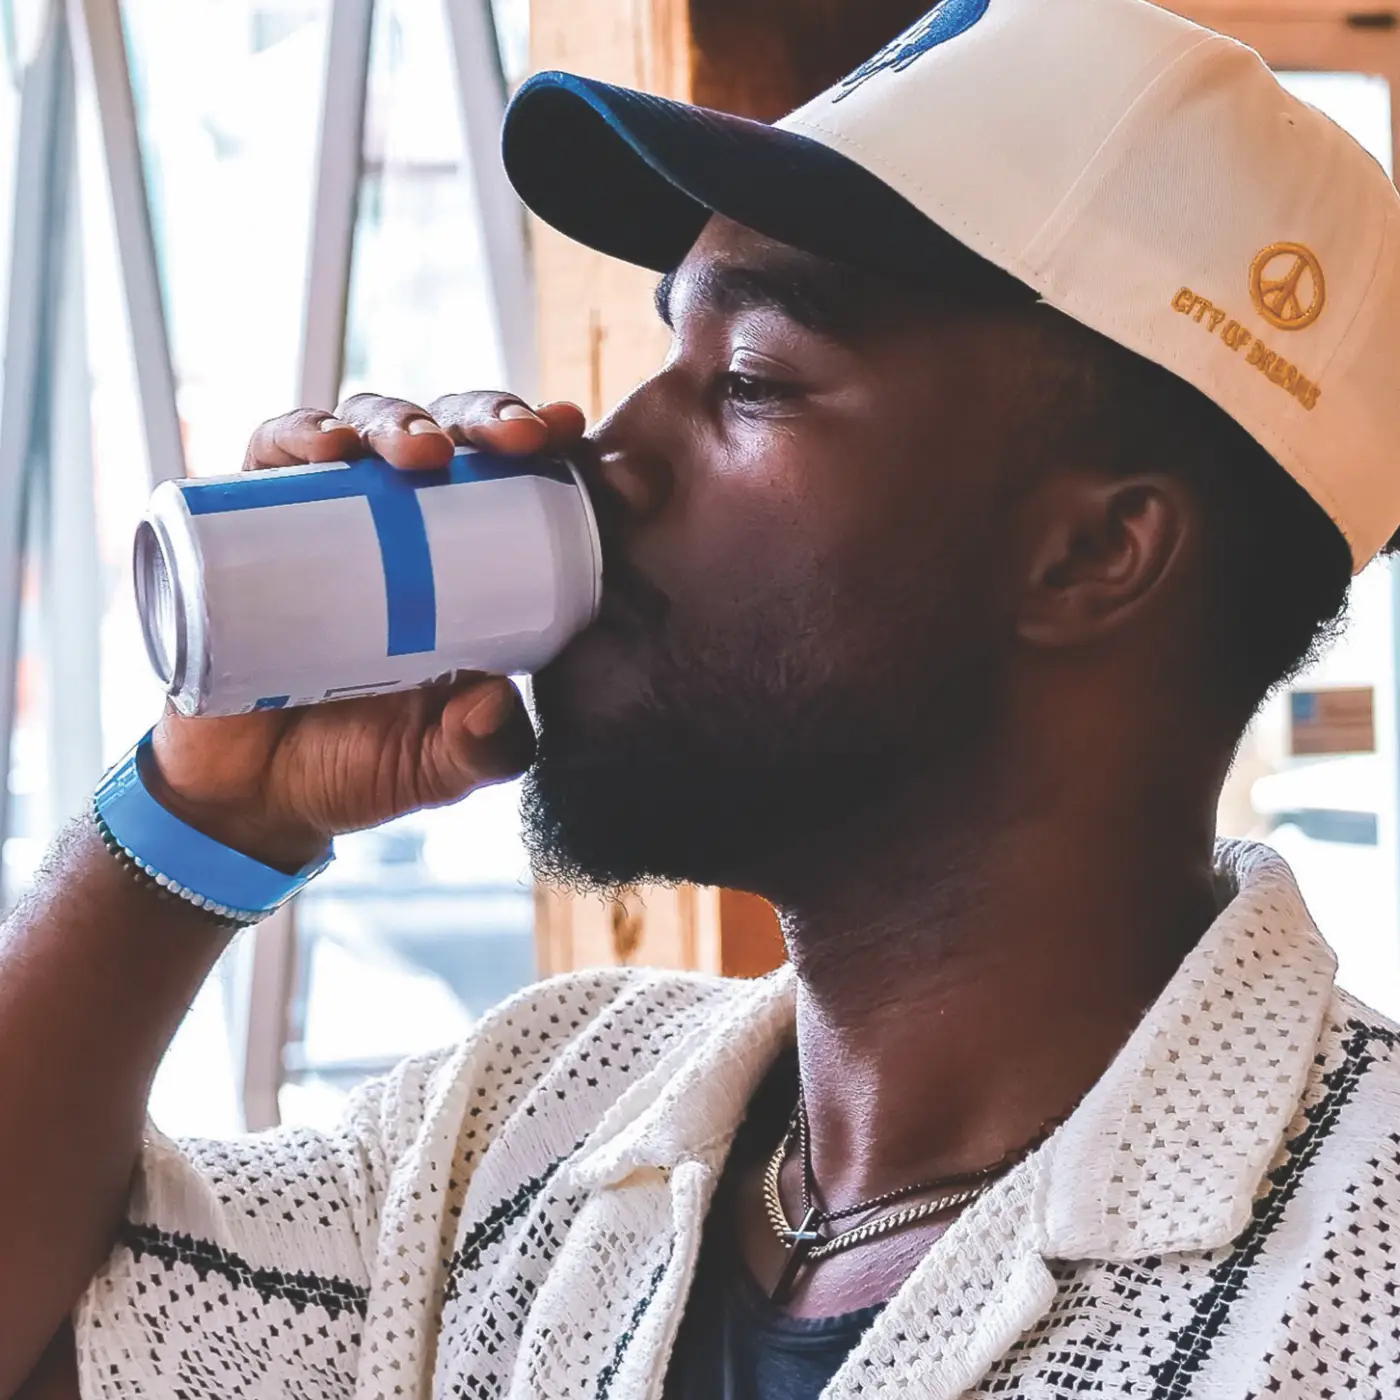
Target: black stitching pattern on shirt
334,1296
1193,1343
493,1225
609,1372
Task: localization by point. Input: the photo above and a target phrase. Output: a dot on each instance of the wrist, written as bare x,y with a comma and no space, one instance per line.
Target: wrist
155,889
198,867
286,847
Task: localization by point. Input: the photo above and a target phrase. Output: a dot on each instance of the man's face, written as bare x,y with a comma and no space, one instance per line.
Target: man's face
801,515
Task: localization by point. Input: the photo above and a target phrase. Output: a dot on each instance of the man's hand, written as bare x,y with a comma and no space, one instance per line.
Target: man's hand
96,972
278,785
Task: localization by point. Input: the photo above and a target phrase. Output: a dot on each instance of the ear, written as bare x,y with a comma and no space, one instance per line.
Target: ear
1098,550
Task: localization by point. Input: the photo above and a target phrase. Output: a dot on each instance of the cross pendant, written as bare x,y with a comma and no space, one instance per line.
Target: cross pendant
800,1243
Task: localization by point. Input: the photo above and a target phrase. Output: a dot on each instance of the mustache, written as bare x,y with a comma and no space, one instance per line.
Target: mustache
624,584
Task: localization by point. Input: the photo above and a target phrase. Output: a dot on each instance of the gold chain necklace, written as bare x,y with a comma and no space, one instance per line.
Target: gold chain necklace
806,1245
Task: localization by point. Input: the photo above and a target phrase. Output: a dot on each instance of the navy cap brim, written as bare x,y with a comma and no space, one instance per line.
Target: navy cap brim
637,177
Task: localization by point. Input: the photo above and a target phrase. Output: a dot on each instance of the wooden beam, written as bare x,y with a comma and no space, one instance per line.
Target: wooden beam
1225,14
598,333
762,58
1323,45
1325,35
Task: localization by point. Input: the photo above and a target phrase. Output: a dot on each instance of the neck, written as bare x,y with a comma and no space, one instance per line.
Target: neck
961,987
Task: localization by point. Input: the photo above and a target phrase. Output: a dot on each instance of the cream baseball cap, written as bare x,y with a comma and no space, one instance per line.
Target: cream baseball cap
1144,175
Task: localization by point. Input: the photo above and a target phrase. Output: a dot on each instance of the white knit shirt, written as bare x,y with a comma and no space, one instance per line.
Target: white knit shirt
521,1217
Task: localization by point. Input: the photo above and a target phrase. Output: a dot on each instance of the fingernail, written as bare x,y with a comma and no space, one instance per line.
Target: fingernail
424,425
490,712
517,411
330,425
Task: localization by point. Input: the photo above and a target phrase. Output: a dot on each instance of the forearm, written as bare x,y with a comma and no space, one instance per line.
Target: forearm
96,972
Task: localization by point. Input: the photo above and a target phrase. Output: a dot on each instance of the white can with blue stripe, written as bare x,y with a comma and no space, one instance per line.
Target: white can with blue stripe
305,584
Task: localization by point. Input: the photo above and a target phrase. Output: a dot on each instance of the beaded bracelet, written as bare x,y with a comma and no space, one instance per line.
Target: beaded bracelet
219,915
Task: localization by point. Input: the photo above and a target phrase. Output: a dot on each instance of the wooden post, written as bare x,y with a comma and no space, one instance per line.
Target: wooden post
599,337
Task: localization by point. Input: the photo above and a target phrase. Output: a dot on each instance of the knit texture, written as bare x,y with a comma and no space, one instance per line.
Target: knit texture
521,1217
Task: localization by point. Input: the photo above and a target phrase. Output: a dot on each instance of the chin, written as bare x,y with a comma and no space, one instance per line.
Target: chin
623,791
689,761
650,802
580,835
584,832
593,774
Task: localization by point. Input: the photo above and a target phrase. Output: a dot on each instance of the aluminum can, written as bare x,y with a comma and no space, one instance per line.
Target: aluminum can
305,584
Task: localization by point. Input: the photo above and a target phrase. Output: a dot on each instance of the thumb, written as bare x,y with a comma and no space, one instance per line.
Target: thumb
484,737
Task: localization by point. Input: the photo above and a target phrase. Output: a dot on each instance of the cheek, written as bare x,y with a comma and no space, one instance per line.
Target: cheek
829,575
845,518
741,527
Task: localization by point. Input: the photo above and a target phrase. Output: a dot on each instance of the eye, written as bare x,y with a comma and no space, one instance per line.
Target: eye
752,391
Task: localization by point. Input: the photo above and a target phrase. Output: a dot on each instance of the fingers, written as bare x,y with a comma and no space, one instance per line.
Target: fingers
307,435
400,432
484,736
565,421
412,437
497,422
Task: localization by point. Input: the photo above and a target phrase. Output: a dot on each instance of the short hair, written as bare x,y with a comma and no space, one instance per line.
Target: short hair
1278,569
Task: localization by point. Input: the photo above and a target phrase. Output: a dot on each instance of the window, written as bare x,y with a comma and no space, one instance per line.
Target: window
1332,815
228,98
423,924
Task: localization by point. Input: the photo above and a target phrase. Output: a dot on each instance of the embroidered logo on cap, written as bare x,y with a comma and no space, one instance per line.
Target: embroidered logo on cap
1269,363
945,21
1287,285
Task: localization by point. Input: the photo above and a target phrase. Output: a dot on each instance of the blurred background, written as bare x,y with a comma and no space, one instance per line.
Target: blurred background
216,210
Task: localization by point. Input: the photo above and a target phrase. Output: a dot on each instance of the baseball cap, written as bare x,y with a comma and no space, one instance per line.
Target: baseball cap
1145,176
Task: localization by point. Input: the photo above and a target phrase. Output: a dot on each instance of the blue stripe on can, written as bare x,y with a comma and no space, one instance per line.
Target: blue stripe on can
273,702
392,495
409,588
371,476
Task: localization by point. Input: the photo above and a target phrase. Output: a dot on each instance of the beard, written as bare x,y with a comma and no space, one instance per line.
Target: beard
744,755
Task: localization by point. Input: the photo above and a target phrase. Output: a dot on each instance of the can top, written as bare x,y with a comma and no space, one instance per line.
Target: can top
159,604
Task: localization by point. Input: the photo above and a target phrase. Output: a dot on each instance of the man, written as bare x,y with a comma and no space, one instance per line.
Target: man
1029,406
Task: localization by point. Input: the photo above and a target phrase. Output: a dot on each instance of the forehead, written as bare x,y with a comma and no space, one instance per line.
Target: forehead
723,242
731,268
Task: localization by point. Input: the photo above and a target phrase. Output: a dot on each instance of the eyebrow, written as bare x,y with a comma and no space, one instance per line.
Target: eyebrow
808,297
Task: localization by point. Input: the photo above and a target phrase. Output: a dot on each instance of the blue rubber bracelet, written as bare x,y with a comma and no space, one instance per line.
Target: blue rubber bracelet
192,862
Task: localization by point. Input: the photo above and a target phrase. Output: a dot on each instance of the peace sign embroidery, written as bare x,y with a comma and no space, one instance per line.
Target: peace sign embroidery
1287,285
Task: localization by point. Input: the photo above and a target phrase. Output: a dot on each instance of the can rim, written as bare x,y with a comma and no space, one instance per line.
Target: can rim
151,551
595,540
169,513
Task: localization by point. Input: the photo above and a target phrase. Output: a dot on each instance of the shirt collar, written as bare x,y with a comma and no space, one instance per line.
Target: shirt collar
1167,1152
1168,1149
693,1102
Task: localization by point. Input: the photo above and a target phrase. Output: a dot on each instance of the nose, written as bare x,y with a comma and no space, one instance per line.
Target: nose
627,473
631,489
